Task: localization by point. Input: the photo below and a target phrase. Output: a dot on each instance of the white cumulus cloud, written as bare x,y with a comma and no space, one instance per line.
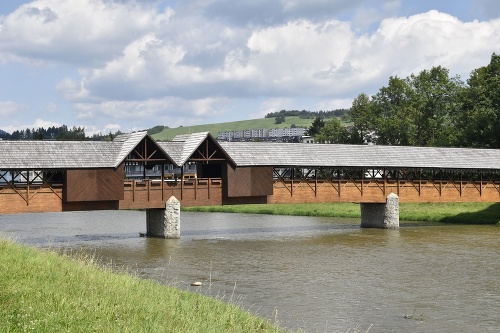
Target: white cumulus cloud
144,63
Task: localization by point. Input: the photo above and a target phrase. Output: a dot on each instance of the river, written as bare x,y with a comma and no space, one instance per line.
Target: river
316,274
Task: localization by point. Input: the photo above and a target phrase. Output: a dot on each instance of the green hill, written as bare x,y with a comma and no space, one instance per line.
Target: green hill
214,129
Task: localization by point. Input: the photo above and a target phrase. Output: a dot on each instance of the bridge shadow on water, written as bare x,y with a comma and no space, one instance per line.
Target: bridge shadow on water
490,215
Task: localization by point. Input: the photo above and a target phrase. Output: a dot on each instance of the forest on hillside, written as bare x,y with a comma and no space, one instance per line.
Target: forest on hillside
430,108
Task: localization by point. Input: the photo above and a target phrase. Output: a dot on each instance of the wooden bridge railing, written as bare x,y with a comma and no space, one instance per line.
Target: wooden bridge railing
376,190
153,193
27,197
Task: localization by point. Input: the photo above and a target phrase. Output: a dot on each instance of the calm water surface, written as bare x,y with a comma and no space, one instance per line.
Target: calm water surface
317,274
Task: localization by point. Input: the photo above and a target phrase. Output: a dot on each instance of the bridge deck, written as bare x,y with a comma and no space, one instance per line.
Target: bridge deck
144,194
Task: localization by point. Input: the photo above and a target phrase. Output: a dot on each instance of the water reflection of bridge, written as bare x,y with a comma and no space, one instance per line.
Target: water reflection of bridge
38,176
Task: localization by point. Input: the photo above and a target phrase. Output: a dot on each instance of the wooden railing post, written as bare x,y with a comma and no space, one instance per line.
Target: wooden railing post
149,188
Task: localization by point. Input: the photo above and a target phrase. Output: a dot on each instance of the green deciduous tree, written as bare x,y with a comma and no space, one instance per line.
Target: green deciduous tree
479,121
279,119
362,118
332,132
420,110
435,107
392,111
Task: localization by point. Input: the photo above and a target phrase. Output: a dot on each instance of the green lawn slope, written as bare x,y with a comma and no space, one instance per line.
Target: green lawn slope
45,292
450,212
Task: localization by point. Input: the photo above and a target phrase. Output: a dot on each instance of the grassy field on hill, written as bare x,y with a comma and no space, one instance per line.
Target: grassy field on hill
170,133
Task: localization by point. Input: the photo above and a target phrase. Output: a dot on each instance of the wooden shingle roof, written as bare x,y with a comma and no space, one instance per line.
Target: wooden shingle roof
182,147
334,155
130,143
127,143
173,149
29,155
57,154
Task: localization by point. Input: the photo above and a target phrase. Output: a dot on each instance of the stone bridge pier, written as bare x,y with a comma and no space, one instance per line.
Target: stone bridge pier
164,223
381,215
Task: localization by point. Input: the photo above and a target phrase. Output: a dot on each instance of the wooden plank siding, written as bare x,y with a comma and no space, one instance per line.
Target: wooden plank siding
207,192
376,190
94,185
154,193
33,200
249,181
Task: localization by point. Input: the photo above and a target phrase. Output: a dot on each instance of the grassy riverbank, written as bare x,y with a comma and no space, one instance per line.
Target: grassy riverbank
46,292
469,213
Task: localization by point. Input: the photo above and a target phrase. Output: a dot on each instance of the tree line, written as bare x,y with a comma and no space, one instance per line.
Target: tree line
55,133
428,109
306,114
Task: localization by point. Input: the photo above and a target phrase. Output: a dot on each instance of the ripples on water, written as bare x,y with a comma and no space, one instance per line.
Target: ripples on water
320,274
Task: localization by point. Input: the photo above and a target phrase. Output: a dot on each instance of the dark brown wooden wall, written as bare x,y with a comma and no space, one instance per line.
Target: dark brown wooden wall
249,181
94,185
90,205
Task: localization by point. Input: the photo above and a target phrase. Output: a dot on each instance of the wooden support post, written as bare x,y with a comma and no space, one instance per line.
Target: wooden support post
480,183
162,182
384,177
460,183
27,188
148,187
339,181
440,183
362,180
397,181
419,183
182,182
133,190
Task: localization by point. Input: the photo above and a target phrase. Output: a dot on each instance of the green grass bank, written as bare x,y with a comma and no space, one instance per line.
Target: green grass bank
42,291
466,213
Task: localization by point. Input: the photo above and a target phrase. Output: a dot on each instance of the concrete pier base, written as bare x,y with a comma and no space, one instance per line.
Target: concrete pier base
381,215
164,223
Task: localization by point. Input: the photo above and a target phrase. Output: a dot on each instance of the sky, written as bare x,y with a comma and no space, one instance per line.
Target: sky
110,65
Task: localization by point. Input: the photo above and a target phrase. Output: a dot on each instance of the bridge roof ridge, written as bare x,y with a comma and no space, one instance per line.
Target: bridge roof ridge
342,155
182,147
102,154
127,142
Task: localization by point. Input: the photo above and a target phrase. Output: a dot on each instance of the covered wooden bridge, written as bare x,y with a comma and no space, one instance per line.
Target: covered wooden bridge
136,172
131,172
368,173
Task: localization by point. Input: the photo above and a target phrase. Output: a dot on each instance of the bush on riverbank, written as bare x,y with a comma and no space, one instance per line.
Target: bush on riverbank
456,212
46,292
